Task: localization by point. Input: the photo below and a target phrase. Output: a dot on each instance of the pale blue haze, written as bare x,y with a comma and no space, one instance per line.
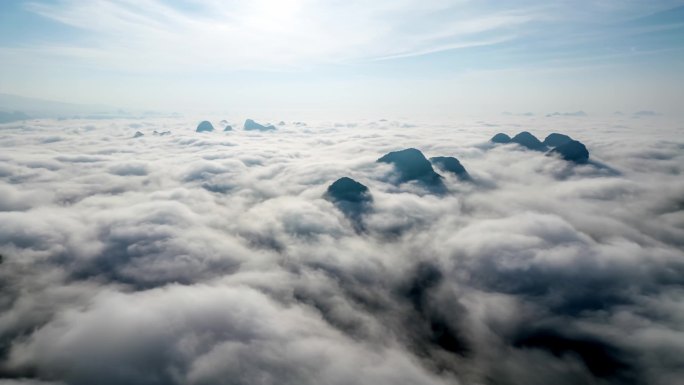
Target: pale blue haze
380,57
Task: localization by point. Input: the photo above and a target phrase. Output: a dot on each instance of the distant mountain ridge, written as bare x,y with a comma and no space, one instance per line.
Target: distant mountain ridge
14,116
15,108
46,108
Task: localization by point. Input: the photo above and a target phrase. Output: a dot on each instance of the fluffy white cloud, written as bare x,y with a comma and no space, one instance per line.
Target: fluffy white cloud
214,258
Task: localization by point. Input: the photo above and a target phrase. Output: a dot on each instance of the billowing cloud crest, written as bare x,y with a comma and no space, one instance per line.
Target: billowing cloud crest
215,258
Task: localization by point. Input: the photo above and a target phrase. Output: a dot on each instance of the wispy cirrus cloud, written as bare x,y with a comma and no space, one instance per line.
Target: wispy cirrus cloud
272,34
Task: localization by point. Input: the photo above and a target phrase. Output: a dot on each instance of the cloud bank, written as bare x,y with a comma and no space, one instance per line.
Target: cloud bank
215,257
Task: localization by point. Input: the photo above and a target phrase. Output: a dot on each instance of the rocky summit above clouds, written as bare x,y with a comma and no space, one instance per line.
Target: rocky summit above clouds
452,165
556,139
529,141
205,126
500,138
573,151
562,145
347,189
411,165
352,198
251,125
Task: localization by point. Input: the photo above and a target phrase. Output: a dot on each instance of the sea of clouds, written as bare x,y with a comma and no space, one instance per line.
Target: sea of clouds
214,258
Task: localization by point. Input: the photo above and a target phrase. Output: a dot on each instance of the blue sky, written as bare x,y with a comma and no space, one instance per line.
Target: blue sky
384,56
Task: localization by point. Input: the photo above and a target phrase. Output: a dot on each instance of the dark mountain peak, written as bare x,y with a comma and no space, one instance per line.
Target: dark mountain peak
573,151
528,140
452,165
348,190
500,138
411,164
352,198
555,140
205,126
251,125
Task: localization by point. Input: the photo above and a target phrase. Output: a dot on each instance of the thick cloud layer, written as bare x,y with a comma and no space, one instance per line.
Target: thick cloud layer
215,258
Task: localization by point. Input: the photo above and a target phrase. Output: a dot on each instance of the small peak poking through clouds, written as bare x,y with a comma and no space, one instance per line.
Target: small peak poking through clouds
411,165
205,126
348,190
573,151
251,125
500,138
452,165
352,198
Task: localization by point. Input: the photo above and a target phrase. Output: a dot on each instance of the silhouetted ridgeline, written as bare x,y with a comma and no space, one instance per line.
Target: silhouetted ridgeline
560,144
529,141
555,140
